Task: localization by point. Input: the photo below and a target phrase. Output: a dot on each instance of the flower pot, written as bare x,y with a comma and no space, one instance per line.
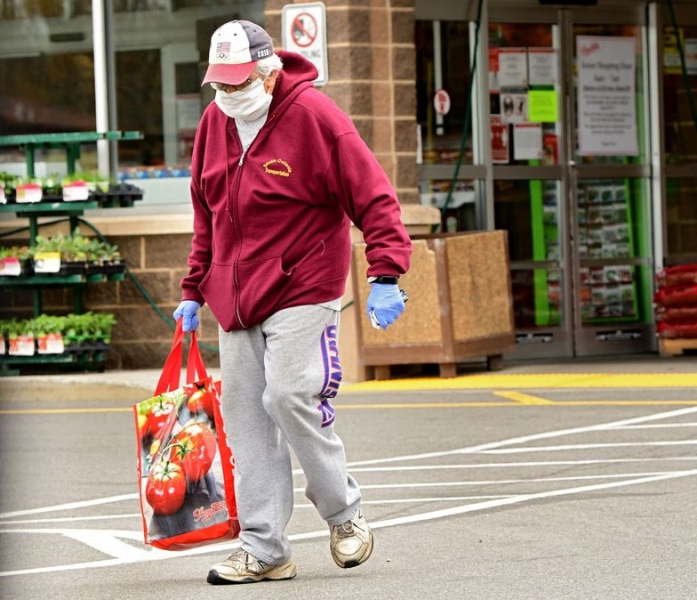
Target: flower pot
29,193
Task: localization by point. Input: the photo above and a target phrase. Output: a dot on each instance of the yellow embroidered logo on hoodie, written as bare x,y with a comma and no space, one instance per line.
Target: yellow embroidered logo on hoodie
279,167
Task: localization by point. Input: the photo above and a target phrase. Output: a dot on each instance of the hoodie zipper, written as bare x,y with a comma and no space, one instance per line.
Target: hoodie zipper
235,224
235,221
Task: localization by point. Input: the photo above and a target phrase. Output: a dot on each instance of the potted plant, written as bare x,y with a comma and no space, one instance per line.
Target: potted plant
51,187
28,190
7,187
89,331
101,327
15,261
48,331
60,254
73,333
4,337
21,338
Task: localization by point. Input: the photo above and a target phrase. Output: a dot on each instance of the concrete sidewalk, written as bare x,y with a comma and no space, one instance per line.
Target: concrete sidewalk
139,385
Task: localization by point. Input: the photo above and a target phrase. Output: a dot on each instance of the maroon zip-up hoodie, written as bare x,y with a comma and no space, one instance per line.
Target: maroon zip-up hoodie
271,227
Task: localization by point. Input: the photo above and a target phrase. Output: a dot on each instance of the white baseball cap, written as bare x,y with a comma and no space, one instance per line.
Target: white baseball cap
235,48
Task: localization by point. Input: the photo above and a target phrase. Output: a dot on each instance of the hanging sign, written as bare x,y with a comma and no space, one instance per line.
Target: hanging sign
607,96
304,31
441,102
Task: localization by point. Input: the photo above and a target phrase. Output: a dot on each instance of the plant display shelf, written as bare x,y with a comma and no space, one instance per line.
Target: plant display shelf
71,143
81,361
32,212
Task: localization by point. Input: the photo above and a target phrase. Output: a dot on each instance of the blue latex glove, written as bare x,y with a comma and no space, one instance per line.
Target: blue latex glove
189,310
386,303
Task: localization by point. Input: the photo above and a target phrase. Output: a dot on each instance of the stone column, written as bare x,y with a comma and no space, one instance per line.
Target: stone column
372,77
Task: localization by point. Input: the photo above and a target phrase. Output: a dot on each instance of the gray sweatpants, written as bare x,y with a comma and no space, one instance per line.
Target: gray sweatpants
278,379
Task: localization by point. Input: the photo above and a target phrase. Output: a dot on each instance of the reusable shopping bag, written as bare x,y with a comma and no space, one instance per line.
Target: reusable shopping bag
185,478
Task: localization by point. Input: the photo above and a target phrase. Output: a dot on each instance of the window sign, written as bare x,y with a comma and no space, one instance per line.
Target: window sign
542,66
607,96
527,141
543,106
513,68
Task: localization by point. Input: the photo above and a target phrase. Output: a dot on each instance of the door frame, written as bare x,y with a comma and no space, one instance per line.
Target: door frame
611,338
570,337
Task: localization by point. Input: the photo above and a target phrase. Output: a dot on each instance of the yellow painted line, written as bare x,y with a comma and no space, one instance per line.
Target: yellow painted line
516,404
521,398
403,405
530,381
625,403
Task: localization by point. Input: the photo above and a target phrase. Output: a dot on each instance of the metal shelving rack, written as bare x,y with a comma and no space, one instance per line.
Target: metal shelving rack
71,144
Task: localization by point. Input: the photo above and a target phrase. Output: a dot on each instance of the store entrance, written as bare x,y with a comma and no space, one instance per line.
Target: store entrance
571,177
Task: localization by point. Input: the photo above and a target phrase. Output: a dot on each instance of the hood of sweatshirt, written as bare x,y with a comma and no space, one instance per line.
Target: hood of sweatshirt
297,75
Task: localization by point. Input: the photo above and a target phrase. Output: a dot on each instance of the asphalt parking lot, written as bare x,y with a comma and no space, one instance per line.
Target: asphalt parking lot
527,487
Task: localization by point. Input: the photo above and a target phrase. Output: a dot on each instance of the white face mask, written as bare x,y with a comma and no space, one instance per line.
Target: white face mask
247,104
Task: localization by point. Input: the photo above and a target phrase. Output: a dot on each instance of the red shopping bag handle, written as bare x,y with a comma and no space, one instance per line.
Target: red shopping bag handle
195,369
171,371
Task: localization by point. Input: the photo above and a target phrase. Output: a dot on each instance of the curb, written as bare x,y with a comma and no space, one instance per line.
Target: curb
15,390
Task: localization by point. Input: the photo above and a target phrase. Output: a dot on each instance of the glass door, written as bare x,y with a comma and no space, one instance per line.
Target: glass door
676,68
528,155
571,176
609,174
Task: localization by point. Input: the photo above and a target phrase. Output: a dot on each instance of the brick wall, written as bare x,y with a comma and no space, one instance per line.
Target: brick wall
372,77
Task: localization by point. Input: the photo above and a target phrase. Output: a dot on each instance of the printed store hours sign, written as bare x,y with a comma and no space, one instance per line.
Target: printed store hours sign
607,96
304,31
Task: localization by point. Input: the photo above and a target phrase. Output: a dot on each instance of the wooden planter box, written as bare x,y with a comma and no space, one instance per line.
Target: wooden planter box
460,305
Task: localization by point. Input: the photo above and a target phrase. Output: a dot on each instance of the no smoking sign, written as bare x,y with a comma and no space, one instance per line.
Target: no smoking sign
305,32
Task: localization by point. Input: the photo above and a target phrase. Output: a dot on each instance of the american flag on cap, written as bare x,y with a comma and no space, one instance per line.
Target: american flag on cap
222,50
235,48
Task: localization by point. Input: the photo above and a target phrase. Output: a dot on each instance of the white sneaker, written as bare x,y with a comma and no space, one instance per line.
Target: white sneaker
352,542
242,567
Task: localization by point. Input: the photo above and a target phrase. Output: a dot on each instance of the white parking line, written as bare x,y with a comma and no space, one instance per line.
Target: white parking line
657,426
155,554
110,542
517,465
529,438
459,510
588,446
69,506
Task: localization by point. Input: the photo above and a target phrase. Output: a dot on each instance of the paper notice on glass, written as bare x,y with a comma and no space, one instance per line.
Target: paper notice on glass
543,106
514,107
513,68
500,143
527,141
542,66
607,121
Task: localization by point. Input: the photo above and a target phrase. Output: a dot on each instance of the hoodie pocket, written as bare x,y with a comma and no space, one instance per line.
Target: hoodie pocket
218,290
262,285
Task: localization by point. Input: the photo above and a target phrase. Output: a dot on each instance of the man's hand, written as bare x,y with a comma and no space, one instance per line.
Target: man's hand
188,309
385,303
